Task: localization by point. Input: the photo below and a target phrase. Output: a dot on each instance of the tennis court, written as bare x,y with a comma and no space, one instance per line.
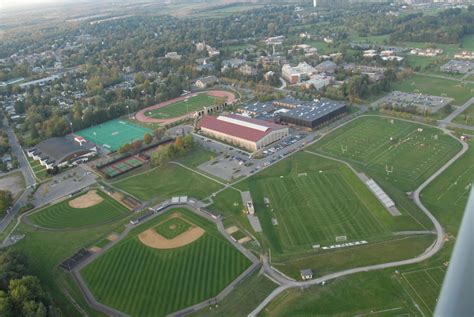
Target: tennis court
122,166
113,134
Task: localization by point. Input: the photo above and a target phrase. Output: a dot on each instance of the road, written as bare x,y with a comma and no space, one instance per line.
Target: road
455,113
23,165
283,84
429,252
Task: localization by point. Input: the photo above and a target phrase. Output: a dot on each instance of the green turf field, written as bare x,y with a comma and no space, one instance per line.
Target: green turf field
314,201
172,228
113,134
163,183
466,117
425,84
142,281
62,216
405,161
182,107
424,286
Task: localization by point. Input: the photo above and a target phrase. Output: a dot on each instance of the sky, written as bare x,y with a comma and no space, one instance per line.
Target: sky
20,3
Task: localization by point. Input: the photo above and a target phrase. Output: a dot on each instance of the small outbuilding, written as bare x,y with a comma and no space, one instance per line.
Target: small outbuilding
306,274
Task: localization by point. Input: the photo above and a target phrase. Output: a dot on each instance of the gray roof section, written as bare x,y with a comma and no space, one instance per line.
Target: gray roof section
59,148
310,111
258,107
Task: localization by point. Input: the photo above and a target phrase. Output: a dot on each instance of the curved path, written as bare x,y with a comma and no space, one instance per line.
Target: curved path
140,115
429,252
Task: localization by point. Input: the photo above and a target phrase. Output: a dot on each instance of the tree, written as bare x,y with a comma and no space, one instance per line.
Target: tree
125,148
6,200
159,133
179,143
147,138
137,145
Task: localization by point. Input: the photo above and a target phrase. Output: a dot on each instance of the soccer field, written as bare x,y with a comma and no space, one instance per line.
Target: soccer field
63,216
315,200
113,134
143,281
396,151
182,107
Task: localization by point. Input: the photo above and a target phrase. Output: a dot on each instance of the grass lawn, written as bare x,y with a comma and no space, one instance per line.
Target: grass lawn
38,169
198,156
466,117
62,216
410,158
182,107
315,200
423,61
142,281
243,299
163,183
468,42
323,48
365,294
459,91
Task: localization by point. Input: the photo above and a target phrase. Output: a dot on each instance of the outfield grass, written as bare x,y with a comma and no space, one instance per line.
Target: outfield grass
459,91
466,117
163,183
406,161
143,281
182,107
315,200
62,216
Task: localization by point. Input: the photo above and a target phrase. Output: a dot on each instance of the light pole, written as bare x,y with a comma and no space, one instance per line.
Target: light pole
72,128
128,110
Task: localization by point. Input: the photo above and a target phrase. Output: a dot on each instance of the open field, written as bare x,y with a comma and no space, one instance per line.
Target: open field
424,286
113,134
63,216
242,300
163,183
314,201
143,281
183,107
13,182
365,294
459,91
466,117
405,161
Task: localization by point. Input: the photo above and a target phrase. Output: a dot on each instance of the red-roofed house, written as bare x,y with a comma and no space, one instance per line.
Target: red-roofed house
243,132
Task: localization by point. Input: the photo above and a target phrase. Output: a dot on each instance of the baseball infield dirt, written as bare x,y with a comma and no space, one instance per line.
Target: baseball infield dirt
85,201
154,240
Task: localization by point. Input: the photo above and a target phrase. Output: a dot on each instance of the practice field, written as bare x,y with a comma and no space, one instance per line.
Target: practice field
315,200
460,91
144,281
180,108
92,208
424,286
163,183
113,134
396,151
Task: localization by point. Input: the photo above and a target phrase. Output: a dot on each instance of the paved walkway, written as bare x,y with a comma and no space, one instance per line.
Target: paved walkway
458,111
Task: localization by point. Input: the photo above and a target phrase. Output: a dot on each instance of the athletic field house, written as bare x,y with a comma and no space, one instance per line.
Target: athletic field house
248,133
297,113
113,134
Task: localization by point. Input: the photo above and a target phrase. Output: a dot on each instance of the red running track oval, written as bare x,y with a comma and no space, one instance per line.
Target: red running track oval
140,115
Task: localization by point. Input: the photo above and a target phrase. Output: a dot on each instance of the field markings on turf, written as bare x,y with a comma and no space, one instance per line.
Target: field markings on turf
418,295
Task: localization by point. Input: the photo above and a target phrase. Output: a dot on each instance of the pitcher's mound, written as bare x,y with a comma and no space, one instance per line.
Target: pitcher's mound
85,201
153,239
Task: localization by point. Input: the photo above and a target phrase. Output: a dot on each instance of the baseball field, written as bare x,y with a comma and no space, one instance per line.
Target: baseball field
92,208
393,149
143,280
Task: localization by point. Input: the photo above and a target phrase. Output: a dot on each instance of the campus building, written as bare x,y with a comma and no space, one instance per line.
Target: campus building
309,114
247,133
62,151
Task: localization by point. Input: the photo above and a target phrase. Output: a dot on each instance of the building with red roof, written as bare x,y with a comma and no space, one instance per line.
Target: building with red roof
243,132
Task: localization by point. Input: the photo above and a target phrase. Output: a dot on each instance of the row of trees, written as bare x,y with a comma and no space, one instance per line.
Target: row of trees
21,294
166,153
